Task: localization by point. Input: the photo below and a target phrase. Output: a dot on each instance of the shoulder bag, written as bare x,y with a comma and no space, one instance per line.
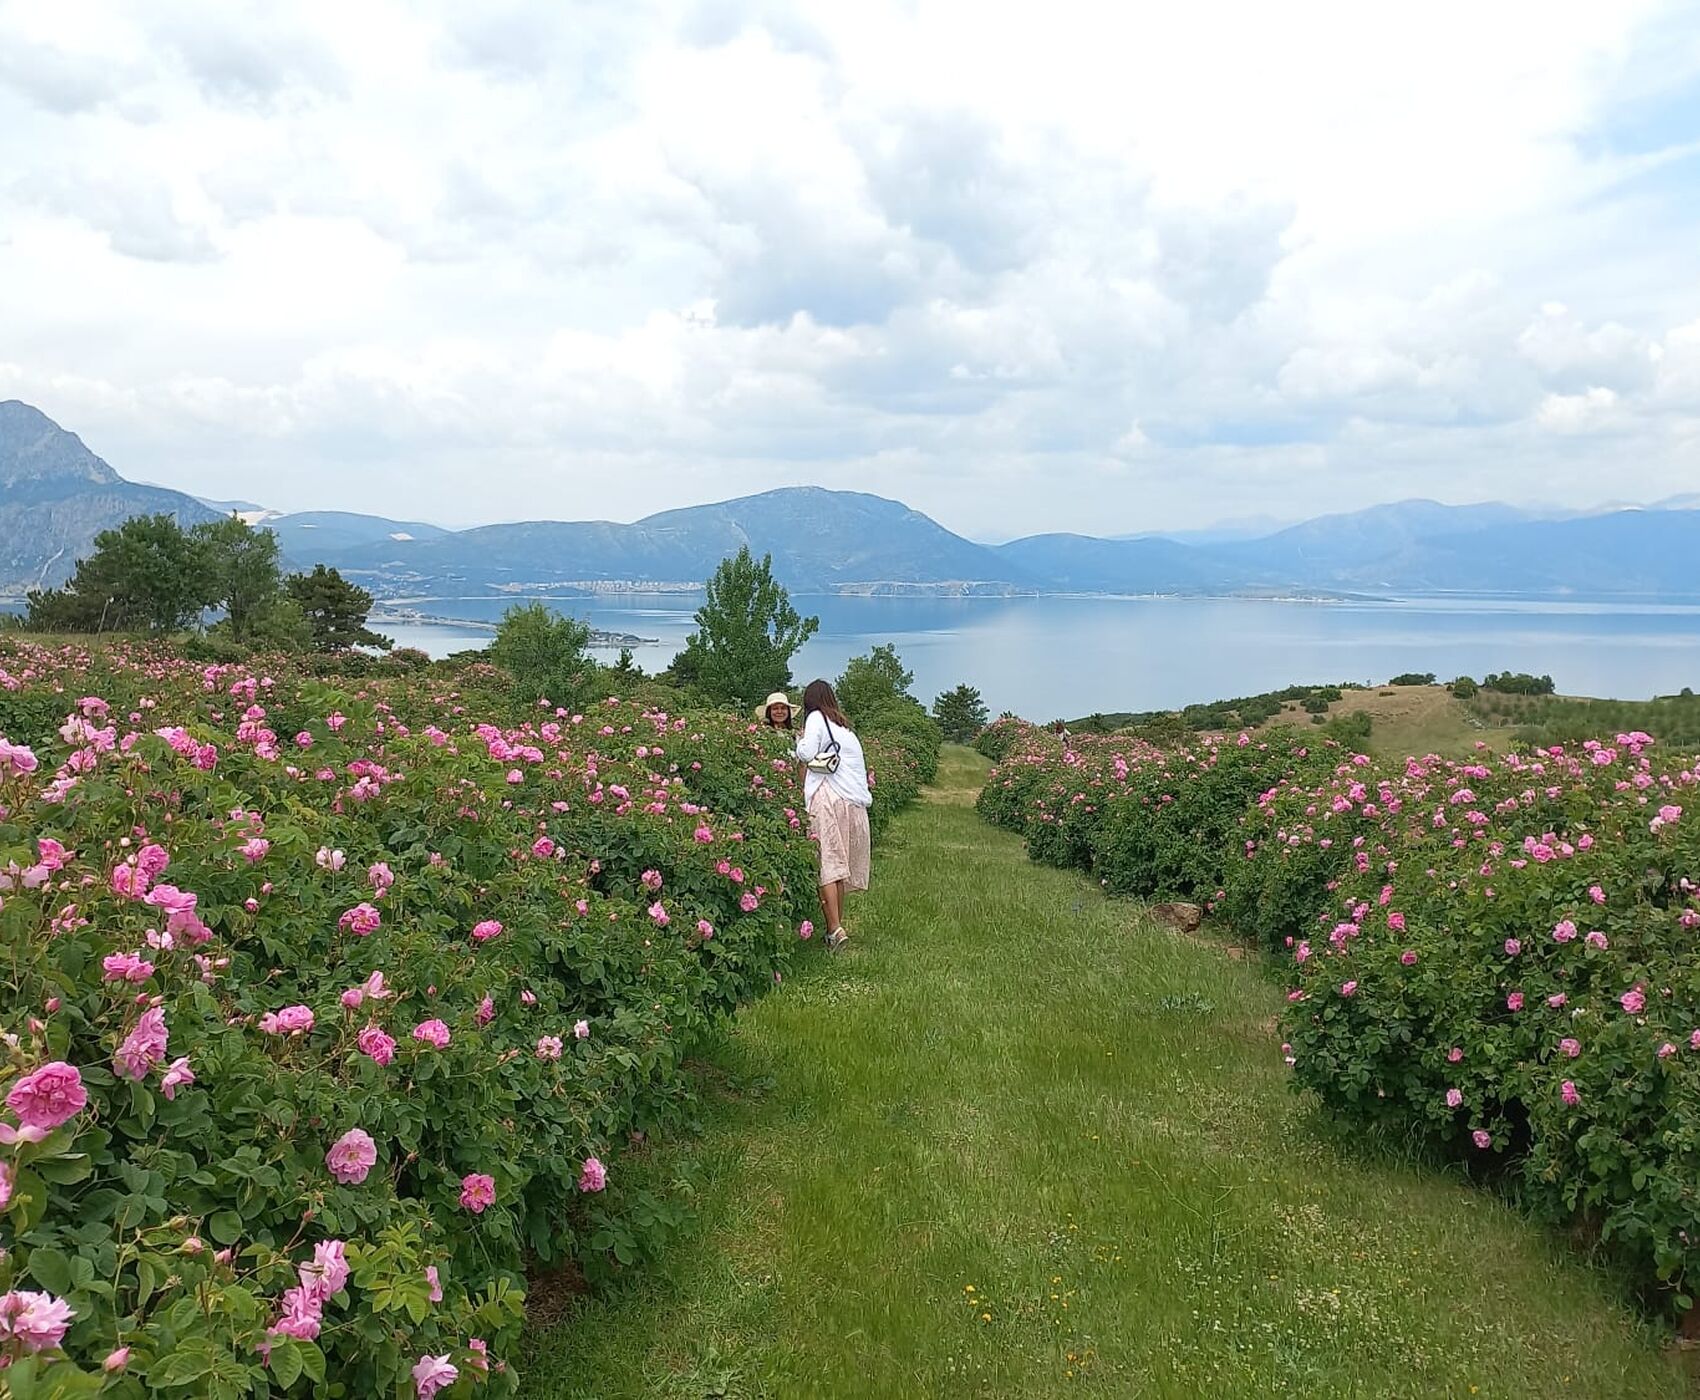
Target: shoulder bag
826,761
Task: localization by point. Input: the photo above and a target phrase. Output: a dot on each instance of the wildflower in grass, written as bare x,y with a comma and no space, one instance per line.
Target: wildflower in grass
433,1032
432,1373
477,1192
34,1321
376,1045
593,1176
352,1156
143,1048
486,929
49,1096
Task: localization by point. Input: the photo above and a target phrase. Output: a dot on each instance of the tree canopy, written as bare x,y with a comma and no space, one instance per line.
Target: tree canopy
747,633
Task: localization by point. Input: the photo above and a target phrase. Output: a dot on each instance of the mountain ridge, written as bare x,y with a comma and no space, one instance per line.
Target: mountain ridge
56,494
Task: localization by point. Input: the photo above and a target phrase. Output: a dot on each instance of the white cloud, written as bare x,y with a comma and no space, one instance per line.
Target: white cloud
1087,268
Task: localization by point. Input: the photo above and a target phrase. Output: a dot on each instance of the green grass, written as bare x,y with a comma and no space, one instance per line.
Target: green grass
1019,1141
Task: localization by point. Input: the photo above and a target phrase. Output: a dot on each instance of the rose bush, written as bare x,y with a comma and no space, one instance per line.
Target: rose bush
330,1009
1500,955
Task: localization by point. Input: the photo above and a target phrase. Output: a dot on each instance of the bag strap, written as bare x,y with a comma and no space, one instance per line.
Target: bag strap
831,738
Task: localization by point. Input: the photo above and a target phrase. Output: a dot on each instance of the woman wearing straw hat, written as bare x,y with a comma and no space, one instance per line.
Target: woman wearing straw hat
775,711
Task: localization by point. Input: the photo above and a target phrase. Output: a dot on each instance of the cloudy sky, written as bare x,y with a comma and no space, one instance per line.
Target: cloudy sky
1058,266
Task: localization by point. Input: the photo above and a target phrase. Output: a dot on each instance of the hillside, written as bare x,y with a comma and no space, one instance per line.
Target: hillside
56,496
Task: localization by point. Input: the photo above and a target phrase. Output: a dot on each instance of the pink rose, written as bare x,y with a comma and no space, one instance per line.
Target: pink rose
1482,1138
486,929
1567,1092
361,920
1634,1001
351,1156
49,1096
435,1282
432,1373
1569,1047
292,1020
477,1192
125,967
433,1033
144,1047
581,1030
1348,988
35,1321
548,1047
376,1045
593,1176
177,1077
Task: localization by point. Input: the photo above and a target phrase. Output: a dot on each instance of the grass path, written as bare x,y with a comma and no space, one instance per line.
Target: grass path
1017,1141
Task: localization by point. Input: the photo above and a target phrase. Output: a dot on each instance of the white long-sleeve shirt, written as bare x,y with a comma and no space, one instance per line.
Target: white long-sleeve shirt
851,780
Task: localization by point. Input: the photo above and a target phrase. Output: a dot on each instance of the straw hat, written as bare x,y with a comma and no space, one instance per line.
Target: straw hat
779,697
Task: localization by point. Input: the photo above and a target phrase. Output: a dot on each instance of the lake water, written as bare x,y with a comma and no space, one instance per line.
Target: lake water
1062,657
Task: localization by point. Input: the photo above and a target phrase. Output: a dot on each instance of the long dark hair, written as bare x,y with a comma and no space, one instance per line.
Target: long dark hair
818,696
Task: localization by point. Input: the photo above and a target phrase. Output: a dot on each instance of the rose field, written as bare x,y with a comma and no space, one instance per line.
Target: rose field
335,1004
1491,960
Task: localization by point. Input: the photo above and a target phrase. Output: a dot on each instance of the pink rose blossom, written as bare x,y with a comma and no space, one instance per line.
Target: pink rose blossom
1515,1001
49,1096
116,1360
125,967
352,1156
292,1020
1482,1138
1567,1092
1408,957
179,1076
581,1030
1455,1054
1454,1097
548,1047
1570,1047
361,920
143,1048
376,1045
1597,941
432,1373
477,1192
486,929
1348,988
433,1033
593,1176
1634,1001
35,1321
1563,931
436,1283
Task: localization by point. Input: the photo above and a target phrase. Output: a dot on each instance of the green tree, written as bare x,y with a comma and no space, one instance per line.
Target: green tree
335,610
149,573
874,685
747,633
961,714
243,565
544,652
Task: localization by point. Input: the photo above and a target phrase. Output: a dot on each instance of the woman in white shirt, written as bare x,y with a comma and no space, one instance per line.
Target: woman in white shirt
837,797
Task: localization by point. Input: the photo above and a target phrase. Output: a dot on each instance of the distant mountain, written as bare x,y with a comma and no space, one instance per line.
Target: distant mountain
820,540
309,536
56,496
1085,564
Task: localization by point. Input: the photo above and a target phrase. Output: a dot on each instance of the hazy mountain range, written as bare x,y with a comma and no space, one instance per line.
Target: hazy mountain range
55,495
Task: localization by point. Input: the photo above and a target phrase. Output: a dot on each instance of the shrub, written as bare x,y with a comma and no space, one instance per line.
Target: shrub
226,892
1413,678
1463,688
1496,957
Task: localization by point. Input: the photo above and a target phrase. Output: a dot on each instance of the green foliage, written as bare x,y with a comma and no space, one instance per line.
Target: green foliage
1549,719
747,633
544,651
1494,957
873,684
1413,678
960,713
245,579
1463,688
1518,683
1350,731
433,806
335,610
149,574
